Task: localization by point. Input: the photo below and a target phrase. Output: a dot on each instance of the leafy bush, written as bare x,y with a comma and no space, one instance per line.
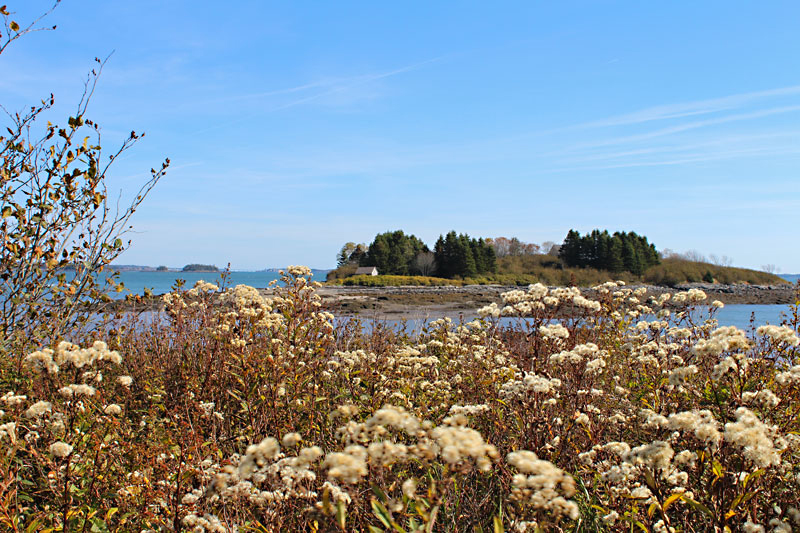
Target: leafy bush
59,228
342,272
394,281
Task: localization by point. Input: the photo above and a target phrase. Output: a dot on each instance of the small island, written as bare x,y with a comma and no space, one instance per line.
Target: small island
585,260
196,267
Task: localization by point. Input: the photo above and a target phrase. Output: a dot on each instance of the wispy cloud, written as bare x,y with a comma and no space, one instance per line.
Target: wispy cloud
687,159
327,87
686,109
782,141
743,128
324,83
692,126
355,82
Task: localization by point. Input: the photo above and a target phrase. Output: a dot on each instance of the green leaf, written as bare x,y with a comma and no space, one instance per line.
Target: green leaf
379,493
753,476
698,506
651,482
98,526
498,524
381,512
34,525
669,501
341,513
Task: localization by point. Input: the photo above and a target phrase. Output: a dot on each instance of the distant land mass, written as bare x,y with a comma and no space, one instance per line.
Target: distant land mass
315,271
207,268
197,267
135,268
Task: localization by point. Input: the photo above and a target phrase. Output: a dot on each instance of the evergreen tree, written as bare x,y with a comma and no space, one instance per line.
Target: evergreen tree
489,258
570,251
446,255
630,258
393,253
466,259
461,256
600,250
615,263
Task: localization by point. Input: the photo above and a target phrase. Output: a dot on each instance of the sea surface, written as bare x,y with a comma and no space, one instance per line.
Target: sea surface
738,315
163,282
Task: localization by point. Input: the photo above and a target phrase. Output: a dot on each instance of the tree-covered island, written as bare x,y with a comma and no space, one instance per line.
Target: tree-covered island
596,257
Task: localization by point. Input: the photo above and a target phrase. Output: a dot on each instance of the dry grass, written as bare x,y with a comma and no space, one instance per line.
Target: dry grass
268,415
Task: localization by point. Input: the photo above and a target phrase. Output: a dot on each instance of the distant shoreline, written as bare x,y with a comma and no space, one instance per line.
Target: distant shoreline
174,270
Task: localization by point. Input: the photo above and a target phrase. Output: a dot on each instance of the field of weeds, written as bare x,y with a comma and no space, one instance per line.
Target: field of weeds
259,414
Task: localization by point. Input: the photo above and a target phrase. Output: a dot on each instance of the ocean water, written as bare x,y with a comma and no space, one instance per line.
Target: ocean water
738,315
163,282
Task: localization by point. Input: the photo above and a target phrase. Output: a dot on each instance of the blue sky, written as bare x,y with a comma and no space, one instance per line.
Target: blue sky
295,127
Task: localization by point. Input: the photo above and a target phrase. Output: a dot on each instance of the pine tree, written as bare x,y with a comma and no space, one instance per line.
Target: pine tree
570,251
466,260
600,250
393,252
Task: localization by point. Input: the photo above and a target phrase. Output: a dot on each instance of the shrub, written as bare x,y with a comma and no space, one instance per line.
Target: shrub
342,272
59,230
394,281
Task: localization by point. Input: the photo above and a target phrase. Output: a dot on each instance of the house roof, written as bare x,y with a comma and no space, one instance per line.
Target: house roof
365,270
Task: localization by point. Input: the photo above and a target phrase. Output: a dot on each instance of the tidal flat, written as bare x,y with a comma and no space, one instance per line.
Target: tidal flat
414,301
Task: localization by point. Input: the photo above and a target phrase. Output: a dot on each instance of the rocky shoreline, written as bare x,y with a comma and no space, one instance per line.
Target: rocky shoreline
437,301
451,300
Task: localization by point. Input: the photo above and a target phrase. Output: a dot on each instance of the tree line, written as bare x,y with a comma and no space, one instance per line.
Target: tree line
395,253
616,253
459,255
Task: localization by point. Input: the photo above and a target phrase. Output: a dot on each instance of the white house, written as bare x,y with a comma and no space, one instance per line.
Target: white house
367,271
